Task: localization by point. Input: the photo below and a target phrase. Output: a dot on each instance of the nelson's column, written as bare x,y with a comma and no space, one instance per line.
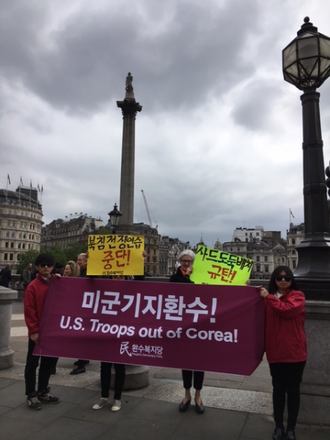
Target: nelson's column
136,376
129,108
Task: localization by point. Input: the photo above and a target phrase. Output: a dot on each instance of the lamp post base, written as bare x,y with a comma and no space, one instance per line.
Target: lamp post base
314,288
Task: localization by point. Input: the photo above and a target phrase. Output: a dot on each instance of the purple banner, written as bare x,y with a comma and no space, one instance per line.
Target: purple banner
174,325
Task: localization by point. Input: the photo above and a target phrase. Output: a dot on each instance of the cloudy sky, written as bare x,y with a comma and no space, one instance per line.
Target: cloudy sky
218,141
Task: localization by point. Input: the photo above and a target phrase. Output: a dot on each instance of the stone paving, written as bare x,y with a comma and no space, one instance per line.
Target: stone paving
237,407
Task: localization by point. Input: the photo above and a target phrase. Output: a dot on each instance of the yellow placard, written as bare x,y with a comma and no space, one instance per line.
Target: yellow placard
213,266
113,255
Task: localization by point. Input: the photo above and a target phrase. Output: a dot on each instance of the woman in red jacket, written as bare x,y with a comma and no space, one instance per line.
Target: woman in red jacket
286,346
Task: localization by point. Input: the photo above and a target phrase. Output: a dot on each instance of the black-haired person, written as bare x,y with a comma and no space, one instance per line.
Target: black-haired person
34,299
182,275
80,364
120,371
105,375
71,270
5,276
286,346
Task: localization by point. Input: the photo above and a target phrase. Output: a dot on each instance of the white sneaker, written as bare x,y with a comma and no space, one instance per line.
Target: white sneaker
116,405
104,401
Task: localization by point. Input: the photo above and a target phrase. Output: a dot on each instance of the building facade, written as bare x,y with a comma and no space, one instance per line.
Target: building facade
248,234
258,251
66,233
294,236
169,251
20,224
151,247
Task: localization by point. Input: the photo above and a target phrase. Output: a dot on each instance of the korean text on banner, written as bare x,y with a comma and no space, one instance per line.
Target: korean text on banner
172,325
213,266
115,254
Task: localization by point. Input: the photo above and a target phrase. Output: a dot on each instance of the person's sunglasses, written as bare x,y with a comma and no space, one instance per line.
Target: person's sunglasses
45,264
287,278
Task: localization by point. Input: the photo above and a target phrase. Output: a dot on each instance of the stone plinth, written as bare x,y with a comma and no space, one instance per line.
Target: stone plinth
136,377
7,297
315,389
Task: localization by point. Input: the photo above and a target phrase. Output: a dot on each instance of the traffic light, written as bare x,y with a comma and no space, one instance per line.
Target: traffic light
327,180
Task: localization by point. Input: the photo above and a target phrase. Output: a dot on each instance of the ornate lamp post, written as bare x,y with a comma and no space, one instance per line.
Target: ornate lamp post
114,217
306,64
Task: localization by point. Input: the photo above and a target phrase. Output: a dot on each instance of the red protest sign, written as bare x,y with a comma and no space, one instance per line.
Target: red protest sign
186,326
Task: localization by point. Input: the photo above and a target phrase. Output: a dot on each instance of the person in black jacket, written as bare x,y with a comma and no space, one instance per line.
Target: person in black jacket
182,275
5,276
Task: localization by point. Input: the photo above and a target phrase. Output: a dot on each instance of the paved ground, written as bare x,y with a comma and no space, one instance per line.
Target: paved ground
237,408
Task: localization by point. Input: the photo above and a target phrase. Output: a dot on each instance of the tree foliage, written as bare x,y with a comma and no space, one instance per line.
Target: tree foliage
60,255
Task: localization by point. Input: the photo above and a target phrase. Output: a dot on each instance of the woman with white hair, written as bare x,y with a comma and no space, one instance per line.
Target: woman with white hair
182,275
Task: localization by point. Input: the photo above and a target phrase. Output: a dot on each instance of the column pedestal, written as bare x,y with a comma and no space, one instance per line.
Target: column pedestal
315,388
7,297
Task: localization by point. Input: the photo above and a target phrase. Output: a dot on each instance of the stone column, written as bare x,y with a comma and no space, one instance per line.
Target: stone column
315,389
136,376
129,109
7,297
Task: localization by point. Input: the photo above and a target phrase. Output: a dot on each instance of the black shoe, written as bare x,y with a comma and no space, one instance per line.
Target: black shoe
184,406
47,397
80,363
278,434
199,408
78,370
290,435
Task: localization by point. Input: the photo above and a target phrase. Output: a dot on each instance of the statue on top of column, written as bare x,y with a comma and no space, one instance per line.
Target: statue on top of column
129,95
129,80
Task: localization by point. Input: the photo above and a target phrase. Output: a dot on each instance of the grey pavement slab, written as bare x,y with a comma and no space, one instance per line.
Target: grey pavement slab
237,407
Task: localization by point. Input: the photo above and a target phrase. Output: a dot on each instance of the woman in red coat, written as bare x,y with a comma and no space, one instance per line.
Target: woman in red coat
286,346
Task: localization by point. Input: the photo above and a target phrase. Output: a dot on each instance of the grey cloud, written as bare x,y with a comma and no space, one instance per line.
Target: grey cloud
83,64
255,106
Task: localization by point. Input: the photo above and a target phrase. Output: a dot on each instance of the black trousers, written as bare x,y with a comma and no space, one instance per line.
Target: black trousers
30,373
120,375
286,379
190,376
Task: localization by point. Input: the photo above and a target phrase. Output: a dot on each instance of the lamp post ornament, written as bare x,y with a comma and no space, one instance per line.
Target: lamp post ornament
306,65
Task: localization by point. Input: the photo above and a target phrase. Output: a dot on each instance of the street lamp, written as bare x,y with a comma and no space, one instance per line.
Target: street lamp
114,217
306,64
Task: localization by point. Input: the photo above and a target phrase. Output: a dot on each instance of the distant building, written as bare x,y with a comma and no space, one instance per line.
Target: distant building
280,256
294,236
169,251
235,247
72,230
248,234
258,251
263,258
20,224
151,246
217,245
273,238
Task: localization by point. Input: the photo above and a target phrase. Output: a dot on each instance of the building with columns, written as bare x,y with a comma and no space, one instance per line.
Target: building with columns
72,230
20,224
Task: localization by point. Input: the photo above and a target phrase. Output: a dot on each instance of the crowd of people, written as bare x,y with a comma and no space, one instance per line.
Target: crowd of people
285,342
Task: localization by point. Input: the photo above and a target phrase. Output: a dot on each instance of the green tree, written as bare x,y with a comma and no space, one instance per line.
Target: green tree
73,252
25,259
60,255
